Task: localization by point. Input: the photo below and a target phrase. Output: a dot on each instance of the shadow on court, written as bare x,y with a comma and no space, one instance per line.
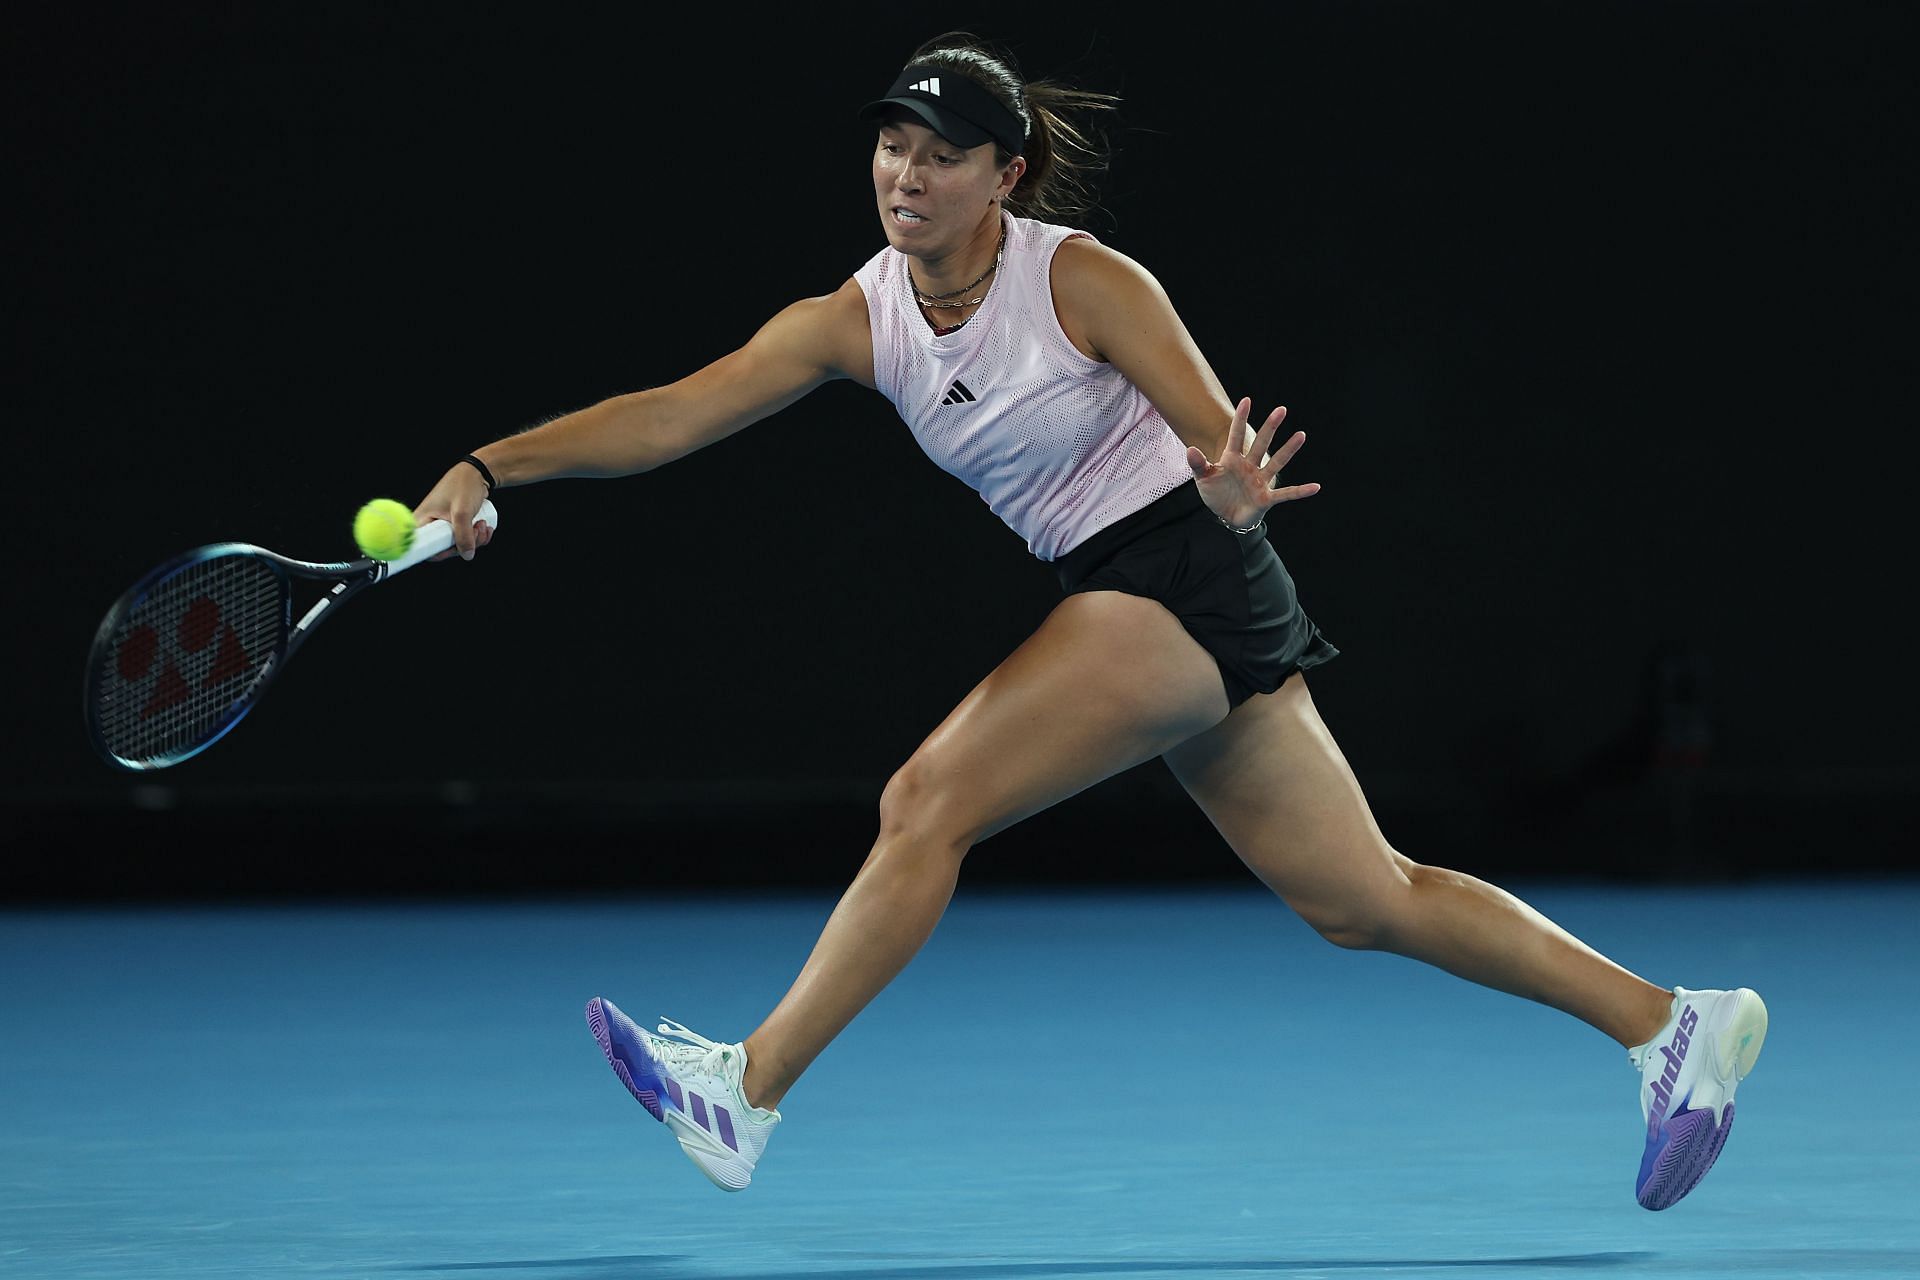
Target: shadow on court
1761,1262
609,1268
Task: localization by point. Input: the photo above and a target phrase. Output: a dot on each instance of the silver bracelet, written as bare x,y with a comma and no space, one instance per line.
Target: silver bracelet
1249,529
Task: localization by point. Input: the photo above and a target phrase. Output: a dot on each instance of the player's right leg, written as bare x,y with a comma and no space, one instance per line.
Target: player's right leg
1107,682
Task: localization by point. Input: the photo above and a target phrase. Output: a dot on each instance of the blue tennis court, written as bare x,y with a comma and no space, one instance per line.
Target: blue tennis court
1145,1084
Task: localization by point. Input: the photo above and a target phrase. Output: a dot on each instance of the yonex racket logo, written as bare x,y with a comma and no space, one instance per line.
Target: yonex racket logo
184,652
199,629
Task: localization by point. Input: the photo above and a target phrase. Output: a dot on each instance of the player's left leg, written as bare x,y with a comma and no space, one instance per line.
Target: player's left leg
1275,784
1277,787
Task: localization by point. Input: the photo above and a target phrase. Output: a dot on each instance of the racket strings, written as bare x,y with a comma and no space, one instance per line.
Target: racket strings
189,654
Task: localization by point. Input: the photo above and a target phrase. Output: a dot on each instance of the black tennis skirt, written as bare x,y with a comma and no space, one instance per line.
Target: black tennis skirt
1229,590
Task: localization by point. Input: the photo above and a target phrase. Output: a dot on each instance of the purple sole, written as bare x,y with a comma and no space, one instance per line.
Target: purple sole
1693,1144
601,1024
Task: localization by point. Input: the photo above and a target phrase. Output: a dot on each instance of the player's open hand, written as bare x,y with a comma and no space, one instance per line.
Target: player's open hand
1239,487
456,499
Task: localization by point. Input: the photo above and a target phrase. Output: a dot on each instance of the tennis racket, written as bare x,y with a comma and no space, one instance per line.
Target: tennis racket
184,655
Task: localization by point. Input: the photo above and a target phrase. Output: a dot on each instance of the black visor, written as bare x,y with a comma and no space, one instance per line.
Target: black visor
954,107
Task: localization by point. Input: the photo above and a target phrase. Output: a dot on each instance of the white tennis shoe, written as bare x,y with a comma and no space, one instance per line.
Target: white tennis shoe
692,1085
1687,1077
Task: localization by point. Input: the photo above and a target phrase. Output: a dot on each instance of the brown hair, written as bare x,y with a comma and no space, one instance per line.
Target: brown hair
1062,156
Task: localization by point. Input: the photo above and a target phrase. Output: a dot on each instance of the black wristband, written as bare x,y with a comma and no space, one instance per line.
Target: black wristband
481,467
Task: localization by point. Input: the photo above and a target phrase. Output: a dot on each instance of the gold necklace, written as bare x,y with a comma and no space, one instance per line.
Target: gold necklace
940,299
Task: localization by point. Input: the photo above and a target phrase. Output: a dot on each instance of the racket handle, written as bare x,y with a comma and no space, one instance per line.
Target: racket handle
435,536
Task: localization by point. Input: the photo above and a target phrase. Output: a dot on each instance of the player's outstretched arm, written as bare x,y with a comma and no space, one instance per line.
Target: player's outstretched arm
814,341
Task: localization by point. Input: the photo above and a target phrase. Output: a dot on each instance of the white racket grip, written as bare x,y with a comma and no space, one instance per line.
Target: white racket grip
435,536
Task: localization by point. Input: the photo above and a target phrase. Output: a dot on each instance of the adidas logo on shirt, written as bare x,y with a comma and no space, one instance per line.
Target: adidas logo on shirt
958,394
928,86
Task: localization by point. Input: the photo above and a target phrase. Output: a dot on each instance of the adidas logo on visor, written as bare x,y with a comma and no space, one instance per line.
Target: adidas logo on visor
928,86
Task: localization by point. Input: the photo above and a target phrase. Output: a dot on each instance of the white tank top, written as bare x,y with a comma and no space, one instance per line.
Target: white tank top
1059,446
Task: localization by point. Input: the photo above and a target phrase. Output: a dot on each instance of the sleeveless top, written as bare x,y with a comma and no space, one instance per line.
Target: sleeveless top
1058,445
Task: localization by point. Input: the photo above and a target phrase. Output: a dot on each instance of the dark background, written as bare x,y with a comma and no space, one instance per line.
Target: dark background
1598,318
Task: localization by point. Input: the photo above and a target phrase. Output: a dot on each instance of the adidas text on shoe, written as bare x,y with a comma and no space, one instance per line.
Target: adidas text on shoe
1687,1077
692,1085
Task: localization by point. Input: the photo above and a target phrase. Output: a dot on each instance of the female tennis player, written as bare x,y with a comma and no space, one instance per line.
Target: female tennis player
1052,374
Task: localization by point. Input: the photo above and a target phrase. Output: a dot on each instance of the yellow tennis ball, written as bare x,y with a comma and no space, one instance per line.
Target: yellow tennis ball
384,529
